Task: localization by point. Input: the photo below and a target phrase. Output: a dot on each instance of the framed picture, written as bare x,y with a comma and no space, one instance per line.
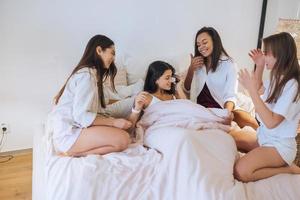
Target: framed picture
291,26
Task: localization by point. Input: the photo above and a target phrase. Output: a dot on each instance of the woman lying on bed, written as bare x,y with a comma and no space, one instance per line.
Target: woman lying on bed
159,111
160,85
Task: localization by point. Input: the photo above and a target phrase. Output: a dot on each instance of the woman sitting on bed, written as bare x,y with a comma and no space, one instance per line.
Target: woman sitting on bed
160,85
211,80
272,149
78,122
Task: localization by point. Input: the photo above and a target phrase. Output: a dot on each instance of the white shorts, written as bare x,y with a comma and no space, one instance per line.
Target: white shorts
286,147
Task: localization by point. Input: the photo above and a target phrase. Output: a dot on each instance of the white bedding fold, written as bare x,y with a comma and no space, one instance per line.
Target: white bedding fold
180,113
181,162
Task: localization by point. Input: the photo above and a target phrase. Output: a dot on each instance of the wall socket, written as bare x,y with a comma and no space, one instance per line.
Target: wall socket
4,128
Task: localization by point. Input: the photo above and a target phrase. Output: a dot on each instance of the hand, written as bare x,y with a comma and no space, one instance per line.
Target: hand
229,118
248,81
140,100
258,57
176,79
196,62
122,123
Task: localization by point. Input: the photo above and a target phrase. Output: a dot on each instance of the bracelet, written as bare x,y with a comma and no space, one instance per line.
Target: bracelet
135,111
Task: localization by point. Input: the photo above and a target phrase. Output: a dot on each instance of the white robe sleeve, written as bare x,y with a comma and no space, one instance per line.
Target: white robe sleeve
85,99
231,84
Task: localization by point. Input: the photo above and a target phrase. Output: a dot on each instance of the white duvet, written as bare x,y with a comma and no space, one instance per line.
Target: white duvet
187,160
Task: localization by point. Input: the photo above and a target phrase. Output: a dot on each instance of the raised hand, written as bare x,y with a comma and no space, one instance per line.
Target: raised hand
258,57
248,81
122,123
196,62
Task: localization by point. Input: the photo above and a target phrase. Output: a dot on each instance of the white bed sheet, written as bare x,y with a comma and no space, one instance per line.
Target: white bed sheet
38,168
181,164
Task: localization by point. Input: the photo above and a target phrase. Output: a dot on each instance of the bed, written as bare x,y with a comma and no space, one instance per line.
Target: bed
178,162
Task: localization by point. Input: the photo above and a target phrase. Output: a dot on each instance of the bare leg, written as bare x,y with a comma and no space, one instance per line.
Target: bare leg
100,140
268,172
245,140
243,118
260,163
100,151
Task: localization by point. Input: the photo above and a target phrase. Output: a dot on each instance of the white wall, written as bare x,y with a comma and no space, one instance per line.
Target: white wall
41,41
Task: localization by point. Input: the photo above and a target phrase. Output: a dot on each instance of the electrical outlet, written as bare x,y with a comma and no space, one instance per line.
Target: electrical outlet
4,128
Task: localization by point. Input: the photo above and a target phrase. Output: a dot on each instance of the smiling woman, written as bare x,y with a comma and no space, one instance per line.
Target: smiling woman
78,124
211,80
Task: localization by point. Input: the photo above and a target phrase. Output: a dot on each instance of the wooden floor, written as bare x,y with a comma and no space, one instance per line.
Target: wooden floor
16,177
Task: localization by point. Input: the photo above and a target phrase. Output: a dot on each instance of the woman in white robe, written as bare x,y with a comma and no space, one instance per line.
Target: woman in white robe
78,126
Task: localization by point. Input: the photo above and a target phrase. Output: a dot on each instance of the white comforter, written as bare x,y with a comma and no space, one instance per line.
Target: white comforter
180,113
181,163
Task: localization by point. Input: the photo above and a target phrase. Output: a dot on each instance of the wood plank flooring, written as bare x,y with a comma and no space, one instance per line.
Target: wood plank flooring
16,177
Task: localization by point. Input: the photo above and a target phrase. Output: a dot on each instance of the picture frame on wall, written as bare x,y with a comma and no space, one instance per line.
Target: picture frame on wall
291,26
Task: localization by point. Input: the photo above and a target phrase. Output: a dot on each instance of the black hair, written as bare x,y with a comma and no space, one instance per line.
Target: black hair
155,70
218,48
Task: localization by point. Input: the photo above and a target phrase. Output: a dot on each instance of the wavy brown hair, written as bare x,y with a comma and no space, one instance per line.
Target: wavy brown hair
283,48
91,59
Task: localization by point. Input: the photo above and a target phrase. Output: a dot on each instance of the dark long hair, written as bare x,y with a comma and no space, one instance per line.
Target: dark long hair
218,48
286,67
91,59
155,71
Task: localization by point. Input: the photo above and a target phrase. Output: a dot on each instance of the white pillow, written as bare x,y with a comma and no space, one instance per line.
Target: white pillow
120,109
136,69
125,96
180,63
130,90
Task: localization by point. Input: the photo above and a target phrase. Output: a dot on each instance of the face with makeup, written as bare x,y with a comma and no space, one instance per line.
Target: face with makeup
204,44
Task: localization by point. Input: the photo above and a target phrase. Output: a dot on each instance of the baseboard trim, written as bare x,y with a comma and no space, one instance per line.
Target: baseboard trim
16,152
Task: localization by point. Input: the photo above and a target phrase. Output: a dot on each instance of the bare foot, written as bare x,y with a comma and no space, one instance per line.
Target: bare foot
63,154
295,169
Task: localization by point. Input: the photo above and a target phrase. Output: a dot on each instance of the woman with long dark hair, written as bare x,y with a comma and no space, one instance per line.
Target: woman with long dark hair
211,80
160,85
78,121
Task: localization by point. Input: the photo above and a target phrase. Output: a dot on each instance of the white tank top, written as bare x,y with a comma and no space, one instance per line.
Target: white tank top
155,100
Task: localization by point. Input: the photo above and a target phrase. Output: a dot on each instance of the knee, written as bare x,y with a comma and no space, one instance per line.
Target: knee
123,141
242,173
237,134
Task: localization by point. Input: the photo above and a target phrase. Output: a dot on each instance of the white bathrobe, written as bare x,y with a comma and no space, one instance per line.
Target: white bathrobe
222,83
77,109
